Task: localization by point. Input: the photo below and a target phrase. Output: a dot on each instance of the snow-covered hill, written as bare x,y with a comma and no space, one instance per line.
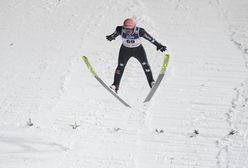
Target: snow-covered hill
197,119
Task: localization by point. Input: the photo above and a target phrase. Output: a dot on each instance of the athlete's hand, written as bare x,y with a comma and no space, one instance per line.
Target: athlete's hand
110,38
161,47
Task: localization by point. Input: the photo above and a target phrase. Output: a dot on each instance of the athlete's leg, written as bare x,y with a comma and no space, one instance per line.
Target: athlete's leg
142,58
123,58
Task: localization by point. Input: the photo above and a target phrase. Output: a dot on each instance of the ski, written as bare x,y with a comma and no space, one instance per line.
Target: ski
86,61
160,77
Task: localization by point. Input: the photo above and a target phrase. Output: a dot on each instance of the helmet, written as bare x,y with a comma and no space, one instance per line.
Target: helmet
129,23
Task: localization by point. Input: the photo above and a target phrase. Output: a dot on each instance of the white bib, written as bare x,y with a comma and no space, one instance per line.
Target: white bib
131,40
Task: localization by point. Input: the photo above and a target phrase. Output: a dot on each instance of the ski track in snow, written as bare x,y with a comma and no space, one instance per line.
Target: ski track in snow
234,144
198,118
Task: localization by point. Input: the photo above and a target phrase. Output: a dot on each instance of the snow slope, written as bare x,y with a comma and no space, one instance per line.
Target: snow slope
198,118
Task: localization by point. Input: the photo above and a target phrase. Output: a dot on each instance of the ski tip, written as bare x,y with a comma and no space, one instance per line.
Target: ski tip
167,54
85,59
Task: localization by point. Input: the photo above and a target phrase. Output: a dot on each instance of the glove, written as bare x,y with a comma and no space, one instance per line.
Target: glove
110,38
161,47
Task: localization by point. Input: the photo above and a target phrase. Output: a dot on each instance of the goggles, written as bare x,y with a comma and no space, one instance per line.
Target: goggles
129,30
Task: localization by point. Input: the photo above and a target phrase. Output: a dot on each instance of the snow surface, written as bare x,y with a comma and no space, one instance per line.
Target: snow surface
55,114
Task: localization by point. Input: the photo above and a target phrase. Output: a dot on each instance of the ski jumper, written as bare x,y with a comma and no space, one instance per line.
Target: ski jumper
132,47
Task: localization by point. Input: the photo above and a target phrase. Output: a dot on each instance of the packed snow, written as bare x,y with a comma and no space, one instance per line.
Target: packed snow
53,113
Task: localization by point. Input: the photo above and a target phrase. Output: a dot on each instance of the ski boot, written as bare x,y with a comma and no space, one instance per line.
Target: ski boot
151,84
115,88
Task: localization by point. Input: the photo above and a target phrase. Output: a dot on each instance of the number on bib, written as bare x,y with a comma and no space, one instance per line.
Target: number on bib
130,41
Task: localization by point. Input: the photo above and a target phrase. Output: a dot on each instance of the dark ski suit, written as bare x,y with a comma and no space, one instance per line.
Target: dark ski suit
132,47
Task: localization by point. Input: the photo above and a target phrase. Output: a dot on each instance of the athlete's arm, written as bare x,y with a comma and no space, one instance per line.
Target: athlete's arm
148,37
116,33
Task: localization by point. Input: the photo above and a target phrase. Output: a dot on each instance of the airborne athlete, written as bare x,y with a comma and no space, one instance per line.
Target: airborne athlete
132,47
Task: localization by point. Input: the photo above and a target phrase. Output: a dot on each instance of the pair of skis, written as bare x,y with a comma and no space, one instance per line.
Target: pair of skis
150,94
